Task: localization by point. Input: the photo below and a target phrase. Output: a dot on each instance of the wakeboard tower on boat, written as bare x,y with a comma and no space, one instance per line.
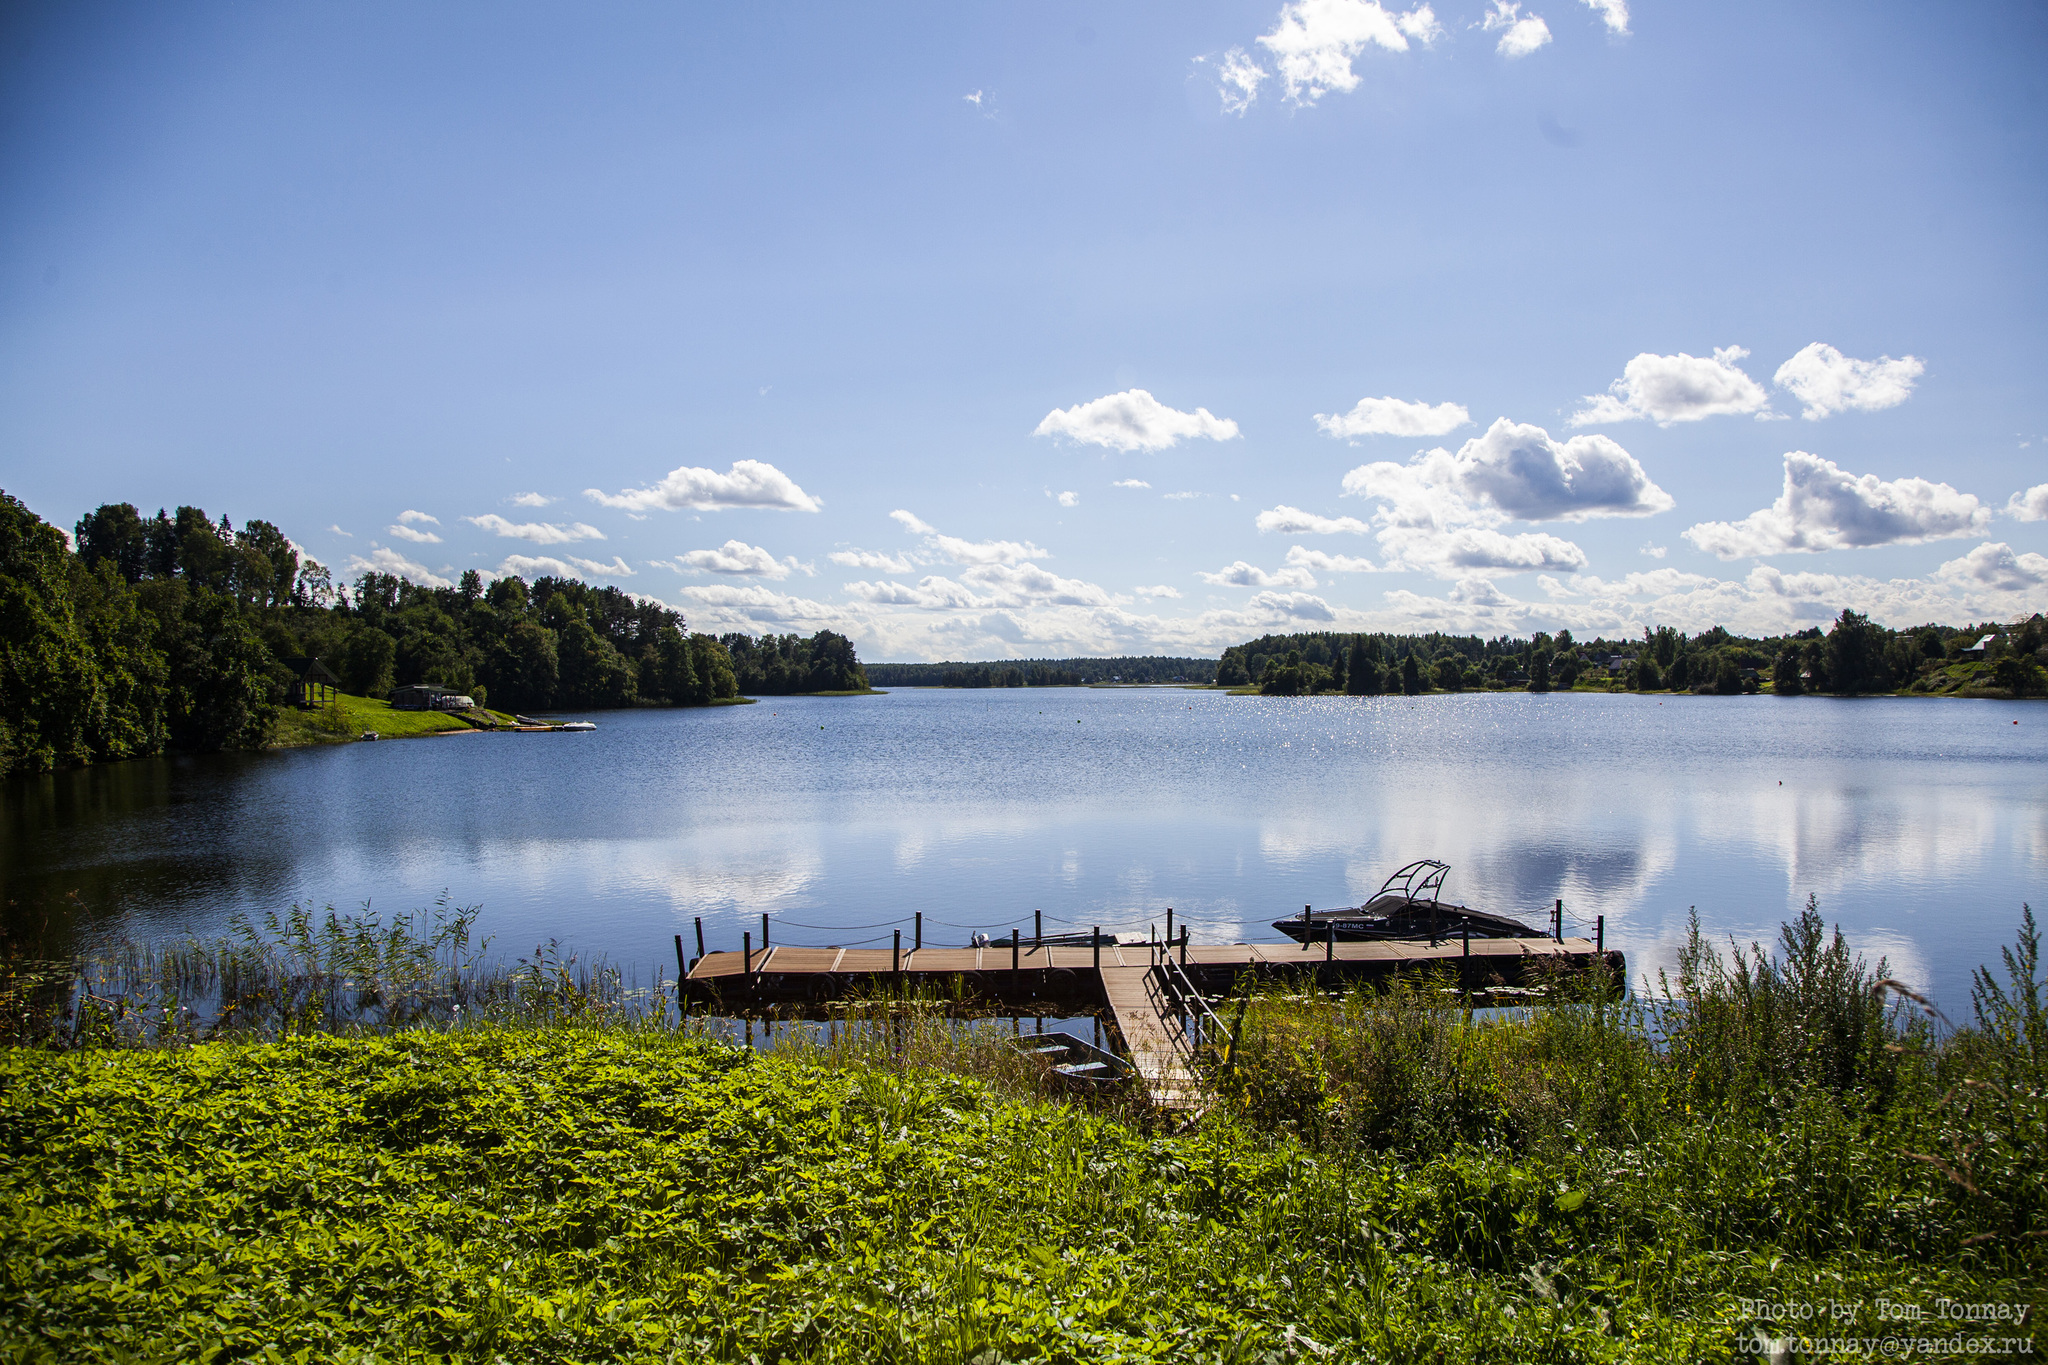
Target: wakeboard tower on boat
1408,904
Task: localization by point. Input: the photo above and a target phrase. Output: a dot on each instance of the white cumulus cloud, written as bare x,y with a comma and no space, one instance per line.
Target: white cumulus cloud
568,566
1824,507
873,559
1243,575
538,532
1157,590
1827,381
383,559
2030,504
408,516
413,533
1292,521
1442,511
1317,561
749,483
1069,499
737,558
1518,470
1676,388
1393,417
1614,12
962,551
1133,420
1130,483
531,500
1315,41
1461,551
1994,565
1519,34
751,607
1296,606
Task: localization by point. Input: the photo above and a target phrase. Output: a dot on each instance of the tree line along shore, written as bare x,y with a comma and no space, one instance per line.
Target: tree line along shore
141,635
1853,657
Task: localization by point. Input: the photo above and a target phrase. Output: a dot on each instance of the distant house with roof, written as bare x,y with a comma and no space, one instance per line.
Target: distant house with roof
1977,650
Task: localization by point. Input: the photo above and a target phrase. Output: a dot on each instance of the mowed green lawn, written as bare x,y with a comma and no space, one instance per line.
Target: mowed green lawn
348,717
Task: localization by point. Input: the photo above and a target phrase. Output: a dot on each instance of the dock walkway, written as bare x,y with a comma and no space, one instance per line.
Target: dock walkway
1124,978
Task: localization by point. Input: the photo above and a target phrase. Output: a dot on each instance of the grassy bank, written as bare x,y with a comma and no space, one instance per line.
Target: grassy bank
1383,1178
348,717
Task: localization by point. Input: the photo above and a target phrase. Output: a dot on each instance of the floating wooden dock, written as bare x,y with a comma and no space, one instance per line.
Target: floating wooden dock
1128,980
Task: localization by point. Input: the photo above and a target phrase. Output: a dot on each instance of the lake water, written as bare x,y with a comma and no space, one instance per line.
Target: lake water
1921,824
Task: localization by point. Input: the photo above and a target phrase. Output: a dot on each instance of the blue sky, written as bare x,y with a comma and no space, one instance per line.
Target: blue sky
1005,330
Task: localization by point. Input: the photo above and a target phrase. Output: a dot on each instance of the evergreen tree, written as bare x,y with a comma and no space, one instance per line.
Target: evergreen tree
1411,676
1355,680
1855,655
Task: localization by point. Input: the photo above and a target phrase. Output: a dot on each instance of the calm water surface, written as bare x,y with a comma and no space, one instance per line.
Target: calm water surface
1921,825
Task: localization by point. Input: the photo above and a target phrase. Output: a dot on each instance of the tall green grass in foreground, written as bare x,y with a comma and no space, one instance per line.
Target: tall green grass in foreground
1775,1143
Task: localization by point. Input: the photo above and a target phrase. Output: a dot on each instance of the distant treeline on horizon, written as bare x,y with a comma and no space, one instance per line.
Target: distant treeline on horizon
1854,656
1044,672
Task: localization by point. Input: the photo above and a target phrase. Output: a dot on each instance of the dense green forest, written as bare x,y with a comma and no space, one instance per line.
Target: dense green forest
781,665
1043,672
1855,656
171,632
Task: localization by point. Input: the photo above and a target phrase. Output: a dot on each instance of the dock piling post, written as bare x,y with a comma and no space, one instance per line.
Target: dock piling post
682,970
747,965
1095,942
764,933
1557,922
1013,948
1465,966
1183,945
918,942
1599,933
1330,943
1037,928
1169,924
700,936
896,953
1304,928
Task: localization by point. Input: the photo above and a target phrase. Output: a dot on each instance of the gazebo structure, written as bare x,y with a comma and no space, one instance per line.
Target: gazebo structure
313,683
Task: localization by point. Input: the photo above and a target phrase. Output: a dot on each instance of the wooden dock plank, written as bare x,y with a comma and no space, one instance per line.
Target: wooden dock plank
1153,1044
786,958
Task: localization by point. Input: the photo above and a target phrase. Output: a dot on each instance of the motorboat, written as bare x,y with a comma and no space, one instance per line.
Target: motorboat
1409,904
